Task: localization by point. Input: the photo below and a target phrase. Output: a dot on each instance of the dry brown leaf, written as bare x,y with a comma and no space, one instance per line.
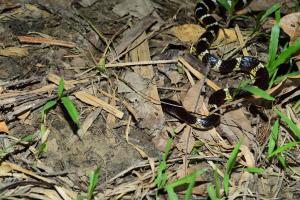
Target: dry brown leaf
55,79
8,5
190,33
94,101
3,127
160,141
200,189
89,121
250,161
261,5
237,127
62,192
14,52
186,141
290,24
5,170
50,194
10,166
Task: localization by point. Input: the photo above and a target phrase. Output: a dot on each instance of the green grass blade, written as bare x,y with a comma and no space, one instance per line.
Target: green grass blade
162,175
229,166
283,77
189,179
43,148
168,148
273,137
61,88
71,109
273,46
93,181
257,91
282,161
171,194
268,12
47,107
79,197
255,170
285,55
225,4
217,183
189,190
212,192
283,148
101,65
262,17
290,123
226,183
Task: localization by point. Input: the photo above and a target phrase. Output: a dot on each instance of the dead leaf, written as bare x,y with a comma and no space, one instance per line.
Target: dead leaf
14,52
86,3
262,5
250,161
89,121
136,8
174,76
290,24
8,5
236,126
10,166
94,101
186,141
190,100
190,33
160,141
3,127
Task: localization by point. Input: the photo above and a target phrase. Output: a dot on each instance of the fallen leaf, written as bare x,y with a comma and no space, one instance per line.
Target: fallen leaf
10,166
136,8
95,101
250,161
190,33
14,52
290,24
8,5
86,3
186,141
3,127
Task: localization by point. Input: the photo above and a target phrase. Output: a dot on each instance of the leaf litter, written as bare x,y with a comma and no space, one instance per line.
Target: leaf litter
122,127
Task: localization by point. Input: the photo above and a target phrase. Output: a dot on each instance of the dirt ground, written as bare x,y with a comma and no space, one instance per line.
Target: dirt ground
122,127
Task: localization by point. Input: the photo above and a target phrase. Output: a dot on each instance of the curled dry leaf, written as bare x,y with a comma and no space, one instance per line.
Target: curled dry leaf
290,24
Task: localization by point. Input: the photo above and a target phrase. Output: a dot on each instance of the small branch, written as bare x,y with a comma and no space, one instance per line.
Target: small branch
151,62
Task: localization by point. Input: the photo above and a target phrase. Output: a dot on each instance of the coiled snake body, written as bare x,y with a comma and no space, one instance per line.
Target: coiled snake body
245,64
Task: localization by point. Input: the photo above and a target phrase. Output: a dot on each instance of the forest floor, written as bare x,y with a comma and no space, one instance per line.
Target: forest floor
80,113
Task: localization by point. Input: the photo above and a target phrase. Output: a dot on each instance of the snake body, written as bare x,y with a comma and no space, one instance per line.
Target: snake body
246,64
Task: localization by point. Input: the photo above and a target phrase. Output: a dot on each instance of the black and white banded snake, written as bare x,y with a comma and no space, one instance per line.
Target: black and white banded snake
246,64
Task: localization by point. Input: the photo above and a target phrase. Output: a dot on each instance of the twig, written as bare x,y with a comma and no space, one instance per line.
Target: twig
235,51
41,40
129,64
20,83
150,62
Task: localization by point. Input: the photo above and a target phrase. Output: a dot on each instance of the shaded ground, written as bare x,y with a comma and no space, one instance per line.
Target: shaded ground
125,131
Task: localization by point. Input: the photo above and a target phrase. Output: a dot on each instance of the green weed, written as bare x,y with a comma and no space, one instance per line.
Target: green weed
189,179
230,165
